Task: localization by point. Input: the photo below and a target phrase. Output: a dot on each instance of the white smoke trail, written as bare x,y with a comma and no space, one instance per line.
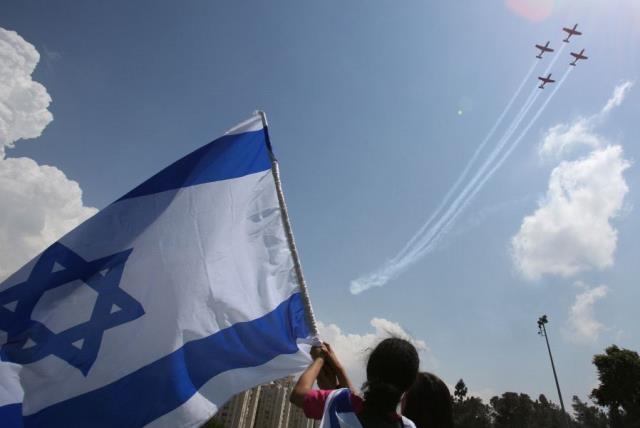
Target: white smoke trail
495,167
533,96
421,235
394,267
468,166
428,236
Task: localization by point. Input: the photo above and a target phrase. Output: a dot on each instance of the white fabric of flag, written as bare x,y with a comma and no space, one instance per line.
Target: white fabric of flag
163,305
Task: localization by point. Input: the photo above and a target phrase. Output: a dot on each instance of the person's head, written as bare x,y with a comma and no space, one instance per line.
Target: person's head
428,402
391,370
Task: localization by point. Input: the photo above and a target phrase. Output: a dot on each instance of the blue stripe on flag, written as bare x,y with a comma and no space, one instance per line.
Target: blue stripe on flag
167,383
230,156
11,416
340,404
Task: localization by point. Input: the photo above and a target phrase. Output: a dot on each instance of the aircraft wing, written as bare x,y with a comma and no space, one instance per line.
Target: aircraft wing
572,31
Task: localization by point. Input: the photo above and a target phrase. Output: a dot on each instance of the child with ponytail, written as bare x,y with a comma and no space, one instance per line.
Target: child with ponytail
391,370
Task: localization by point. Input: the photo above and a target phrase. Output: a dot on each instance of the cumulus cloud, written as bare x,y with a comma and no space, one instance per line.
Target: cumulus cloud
39,203
563,138
353,349
570,232
23,102
583,328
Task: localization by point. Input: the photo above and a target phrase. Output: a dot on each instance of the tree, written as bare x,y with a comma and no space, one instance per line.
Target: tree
512,410
619,389
460,392
547,414
471,413
589,416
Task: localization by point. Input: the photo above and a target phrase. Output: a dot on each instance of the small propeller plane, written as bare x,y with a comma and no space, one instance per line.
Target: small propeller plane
543,49
571,32
578,56
545,80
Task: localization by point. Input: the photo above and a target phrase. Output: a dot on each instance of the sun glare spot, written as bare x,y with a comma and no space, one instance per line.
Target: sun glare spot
533,10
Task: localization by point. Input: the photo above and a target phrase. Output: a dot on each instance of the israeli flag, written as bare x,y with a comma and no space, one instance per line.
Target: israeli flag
159,308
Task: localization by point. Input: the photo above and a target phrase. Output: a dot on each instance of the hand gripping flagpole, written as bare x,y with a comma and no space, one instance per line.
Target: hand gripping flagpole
275,169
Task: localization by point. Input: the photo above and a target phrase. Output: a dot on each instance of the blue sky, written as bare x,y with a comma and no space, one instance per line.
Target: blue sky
374,109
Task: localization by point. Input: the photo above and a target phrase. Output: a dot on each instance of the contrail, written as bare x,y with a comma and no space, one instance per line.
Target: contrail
426,238
515,123
498,164
478,175
392,268
467,167
419,236
535,93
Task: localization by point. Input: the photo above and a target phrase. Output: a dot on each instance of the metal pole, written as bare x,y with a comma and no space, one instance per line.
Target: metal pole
289,233
541,324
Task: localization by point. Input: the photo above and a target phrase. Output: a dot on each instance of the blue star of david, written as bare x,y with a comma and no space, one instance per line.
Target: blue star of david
29,340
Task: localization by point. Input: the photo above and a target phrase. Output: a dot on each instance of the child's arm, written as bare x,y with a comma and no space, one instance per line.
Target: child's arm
341,374
304,384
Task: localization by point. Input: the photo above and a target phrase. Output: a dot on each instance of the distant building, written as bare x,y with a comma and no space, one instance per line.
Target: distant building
274,406
240,411
297,419
265,406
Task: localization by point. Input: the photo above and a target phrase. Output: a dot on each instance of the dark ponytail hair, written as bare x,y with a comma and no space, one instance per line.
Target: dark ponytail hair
391,370
428,402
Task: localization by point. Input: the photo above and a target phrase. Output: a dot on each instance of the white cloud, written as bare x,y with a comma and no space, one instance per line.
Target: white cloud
582,325
23,102
619,94
39,203
353,349
561,139
570,232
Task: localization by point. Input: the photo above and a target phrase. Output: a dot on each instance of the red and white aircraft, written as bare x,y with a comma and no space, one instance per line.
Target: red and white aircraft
543,49
578,56
571,32
545,80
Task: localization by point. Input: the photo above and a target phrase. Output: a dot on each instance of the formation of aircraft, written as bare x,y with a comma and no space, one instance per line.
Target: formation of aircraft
543,49
571,32
545,80
576,55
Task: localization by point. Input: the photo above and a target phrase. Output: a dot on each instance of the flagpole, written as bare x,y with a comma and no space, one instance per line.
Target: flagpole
275,169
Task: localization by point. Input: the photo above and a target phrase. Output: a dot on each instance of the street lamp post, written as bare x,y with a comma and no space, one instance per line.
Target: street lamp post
543,332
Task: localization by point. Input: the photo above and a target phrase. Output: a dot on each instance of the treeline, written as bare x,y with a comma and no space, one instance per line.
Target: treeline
616,401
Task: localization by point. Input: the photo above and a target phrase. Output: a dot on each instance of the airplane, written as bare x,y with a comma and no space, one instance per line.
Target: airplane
545,80
571,32
578,56
543,49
